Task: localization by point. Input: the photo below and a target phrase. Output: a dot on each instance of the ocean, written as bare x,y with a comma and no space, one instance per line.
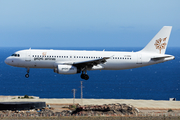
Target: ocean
156,82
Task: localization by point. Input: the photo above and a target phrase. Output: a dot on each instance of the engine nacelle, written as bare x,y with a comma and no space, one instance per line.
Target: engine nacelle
66,69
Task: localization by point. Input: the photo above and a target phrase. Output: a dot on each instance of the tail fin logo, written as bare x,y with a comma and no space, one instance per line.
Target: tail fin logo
160,44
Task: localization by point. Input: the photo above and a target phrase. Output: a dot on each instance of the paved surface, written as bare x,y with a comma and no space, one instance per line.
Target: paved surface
140,104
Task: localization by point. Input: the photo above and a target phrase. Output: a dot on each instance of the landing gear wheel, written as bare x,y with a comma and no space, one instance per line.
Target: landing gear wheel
84,76
27,75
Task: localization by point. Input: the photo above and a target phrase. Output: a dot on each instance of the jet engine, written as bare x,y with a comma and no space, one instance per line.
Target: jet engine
66,69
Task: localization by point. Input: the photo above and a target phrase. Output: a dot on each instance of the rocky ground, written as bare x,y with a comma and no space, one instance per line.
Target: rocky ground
106,111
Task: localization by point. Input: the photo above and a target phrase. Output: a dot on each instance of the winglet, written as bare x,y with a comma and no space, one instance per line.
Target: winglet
159,43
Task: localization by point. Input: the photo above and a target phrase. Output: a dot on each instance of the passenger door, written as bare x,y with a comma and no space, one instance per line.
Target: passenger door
28,56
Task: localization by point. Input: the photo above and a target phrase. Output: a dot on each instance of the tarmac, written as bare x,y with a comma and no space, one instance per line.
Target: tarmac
140,104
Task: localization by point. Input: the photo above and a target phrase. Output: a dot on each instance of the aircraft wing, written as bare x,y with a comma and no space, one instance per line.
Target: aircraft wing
91,62
87,64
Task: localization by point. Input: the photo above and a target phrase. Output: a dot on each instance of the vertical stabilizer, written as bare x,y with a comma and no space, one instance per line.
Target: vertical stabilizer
159,43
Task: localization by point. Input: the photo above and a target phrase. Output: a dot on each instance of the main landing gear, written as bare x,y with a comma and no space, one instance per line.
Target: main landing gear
84,76
27,75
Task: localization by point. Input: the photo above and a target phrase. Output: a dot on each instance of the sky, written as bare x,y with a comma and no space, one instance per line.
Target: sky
86,23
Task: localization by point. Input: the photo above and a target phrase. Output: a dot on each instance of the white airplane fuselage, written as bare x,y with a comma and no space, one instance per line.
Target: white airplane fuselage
73,61
118,60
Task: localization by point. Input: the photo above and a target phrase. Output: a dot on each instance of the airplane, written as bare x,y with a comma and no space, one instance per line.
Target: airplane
78,61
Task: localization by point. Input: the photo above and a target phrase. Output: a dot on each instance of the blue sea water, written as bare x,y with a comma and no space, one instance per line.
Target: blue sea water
157,82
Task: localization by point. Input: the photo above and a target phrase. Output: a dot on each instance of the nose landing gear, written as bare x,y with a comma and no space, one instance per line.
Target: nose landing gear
27,75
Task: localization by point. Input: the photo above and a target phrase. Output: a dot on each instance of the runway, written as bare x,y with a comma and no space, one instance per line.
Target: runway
140,104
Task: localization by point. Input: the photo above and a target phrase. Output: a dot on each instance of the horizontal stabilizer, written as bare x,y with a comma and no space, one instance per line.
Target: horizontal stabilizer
162,58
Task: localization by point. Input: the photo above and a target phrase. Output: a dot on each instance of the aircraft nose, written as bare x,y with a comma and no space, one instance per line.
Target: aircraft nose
7,61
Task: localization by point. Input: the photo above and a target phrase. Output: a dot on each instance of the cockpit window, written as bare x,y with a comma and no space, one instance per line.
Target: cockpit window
16,55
